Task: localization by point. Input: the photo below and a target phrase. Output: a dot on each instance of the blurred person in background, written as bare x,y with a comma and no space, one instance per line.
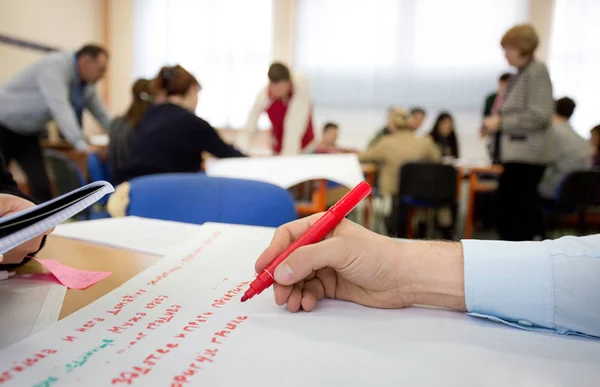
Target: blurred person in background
170,137
444,136
416,117
329,139
571,151
524,121
121,129
492,107
58,87
387,129
287,100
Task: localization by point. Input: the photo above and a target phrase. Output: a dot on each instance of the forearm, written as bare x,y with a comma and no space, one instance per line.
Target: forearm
438,273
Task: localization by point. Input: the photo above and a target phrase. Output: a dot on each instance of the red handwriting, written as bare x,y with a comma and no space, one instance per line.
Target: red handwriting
157,301
183,261
125,300
208,355
231,325
128,377
127,324
23,365
194,367
168,316
89,325
193,325
219,303
139,337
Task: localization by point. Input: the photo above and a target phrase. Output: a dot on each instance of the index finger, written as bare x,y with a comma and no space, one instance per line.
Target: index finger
284,236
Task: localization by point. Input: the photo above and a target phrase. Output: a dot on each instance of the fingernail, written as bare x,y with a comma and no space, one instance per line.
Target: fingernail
284,273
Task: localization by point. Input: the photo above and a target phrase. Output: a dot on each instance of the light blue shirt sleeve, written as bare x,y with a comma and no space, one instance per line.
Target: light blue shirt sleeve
551,286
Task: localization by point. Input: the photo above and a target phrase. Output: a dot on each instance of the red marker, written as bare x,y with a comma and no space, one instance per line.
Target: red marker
315,233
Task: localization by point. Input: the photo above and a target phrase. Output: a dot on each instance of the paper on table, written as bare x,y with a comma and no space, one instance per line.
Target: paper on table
139,234
181,323
71,277
27,306
287,171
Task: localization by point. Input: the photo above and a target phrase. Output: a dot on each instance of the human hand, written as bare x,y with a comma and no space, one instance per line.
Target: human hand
492,124
357,265
10,204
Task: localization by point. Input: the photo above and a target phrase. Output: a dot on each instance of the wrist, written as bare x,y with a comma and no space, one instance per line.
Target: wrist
437,271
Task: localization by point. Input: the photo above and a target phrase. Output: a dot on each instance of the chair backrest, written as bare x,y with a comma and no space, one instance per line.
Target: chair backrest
432,182
580,189
197,198
97,170
65,173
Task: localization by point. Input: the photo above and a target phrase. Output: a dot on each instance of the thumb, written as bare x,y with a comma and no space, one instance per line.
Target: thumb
302,262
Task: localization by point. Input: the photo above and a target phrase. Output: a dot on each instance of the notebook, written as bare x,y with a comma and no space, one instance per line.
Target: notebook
25,225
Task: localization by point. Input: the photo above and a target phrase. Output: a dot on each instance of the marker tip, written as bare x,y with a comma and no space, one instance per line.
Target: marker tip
244,298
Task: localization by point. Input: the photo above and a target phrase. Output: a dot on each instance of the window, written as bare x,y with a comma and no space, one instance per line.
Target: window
225,44
575,59
435,53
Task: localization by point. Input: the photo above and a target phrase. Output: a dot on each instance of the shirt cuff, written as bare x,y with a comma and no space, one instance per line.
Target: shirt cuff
511,281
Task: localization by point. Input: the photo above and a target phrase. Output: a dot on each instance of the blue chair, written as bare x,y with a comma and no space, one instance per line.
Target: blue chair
196,198
97,170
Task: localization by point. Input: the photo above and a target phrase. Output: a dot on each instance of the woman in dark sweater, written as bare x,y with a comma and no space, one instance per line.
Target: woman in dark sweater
170,137
443,134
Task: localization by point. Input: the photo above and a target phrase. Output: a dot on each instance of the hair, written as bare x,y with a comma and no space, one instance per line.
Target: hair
523,37
174,80
417,109
400,118
437,137
143,97
504,77
564,107
91,50
329,126
278,72
596,130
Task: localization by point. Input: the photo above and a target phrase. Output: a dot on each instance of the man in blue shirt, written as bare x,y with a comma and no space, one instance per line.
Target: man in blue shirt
549,286
58,87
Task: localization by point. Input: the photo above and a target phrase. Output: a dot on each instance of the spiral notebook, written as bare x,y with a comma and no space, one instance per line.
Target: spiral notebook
22,226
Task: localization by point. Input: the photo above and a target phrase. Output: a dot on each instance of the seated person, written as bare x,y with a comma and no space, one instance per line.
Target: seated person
571,151
386,129
444,136
12,201
170,138
415,120
121,129
391,153
595,141
328,142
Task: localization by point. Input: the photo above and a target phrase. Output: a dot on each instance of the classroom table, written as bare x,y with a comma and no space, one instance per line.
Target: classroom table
124,264
473,173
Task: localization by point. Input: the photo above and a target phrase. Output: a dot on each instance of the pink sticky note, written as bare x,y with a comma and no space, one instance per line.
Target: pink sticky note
71,277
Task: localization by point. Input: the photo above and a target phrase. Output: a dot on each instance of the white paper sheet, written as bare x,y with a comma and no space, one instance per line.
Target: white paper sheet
287,171
214,340
132,233
27,306
99,139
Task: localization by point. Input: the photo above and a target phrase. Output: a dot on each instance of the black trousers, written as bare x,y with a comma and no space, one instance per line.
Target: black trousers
26,151
519,218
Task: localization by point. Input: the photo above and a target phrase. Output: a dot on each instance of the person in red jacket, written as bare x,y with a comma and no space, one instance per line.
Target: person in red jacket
287,102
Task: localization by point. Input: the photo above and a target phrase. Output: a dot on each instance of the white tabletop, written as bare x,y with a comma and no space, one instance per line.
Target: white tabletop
287,171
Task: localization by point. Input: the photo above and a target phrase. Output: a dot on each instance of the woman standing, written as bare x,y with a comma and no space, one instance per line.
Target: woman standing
444,135
524,120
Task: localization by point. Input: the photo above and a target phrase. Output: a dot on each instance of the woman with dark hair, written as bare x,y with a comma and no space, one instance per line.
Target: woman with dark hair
122,128
170,137
444,136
